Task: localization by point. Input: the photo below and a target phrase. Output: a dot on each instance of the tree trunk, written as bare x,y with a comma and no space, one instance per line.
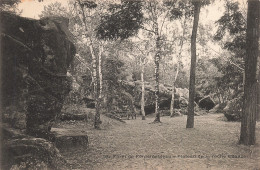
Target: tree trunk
156,62
190,116
178,67
143,92
95,89
251,93
97,121
172,101
173,90
100,71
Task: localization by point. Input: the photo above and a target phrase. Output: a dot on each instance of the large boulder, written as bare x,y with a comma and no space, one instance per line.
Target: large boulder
25,152
35,57
135,88
206,103
69,138
182,92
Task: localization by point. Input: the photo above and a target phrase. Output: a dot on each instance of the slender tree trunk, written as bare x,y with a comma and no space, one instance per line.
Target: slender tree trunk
100,71
258,76
156,62
173,91
251,93
95,88
178,67
190,117
143,91
97,121
172,101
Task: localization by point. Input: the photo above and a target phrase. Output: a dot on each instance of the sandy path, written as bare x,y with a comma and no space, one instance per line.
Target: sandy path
169,145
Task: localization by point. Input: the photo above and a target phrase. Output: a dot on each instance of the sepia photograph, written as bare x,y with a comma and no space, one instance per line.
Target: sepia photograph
130,85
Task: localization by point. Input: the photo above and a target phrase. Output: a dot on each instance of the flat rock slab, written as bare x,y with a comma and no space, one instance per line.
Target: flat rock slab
69,116
69,138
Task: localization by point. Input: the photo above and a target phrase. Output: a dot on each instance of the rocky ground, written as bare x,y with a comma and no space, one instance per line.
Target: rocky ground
138,144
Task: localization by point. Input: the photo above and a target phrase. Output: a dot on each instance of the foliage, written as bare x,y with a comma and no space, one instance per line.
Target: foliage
123,21
231,34
233,110
55,9
10,6
179,9
232,29
9,2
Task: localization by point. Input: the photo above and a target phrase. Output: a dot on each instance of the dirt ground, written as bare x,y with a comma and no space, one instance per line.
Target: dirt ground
137,144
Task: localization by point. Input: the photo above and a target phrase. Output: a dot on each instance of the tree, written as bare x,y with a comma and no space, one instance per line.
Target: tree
232,35
142,58
190,117
55,9
83,19
82,6
142,61
10,6
251,89
122,21
160,15
128,26
181,11
151,17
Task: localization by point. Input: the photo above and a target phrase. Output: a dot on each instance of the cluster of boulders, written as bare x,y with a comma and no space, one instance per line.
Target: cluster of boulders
35,57
181,96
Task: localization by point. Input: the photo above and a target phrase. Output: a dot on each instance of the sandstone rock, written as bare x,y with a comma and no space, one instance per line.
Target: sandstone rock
25,152
35,57
177,112
182,92
70,116
206,103
164,112
164,95
32,153
15,117
69,138
135,89
196,114
90,103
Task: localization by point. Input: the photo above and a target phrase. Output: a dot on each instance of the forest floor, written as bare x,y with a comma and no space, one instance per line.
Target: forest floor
140,144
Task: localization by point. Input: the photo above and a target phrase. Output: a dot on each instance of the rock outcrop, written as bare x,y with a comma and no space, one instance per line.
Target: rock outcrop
25,152
35,56
206,103
134,88
70,138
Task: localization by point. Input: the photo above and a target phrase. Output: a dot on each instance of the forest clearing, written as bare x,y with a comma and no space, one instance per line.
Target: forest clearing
130,84
213,144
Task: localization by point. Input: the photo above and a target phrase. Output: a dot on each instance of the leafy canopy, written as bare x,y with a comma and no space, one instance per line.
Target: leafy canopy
123,21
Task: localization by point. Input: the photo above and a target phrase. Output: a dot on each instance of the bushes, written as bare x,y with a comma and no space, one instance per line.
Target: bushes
233,109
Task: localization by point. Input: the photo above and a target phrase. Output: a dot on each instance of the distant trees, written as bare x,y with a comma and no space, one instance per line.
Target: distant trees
252,78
